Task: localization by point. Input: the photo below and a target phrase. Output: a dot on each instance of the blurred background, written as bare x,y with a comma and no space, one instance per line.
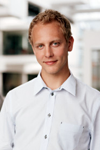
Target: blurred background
17,61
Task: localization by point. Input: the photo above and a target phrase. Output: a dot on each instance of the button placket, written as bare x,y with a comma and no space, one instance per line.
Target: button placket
48,120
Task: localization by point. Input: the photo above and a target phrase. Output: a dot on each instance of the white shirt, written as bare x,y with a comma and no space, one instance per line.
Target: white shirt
34,117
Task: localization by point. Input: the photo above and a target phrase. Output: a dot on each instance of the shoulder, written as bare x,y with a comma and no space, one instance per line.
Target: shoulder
87,90
23,90
89,98
20,95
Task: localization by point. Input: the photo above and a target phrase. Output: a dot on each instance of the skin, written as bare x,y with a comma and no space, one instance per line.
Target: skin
51,51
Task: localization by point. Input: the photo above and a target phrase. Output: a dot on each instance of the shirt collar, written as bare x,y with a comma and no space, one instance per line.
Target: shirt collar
69,85
39,84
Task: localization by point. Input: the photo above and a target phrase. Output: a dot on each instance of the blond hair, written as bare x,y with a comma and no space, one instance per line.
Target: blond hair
48,16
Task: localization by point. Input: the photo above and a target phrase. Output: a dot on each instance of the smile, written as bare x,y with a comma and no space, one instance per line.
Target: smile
50,62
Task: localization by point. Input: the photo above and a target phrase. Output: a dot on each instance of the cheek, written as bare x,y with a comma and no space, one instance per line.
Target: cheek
62,53
39,55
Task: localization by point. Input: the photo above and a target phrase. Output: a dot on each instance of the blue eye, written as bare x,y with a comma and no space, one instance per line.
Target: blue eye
56,44
40,46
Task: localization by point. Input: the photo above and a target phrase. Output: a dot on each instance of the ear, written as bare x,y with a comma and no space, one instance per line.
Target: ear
70,44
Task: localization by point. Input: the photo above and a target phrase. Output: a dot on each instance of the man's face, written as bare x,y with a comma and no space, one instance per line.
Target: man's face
51,48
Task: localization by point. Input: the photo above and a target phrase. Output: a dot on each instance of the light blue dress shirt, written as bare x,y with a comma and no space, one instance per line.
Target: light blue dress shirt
34,117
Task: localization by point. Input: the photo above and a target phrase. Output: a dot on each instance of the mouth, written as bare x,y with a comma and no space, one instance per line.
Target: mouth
50,62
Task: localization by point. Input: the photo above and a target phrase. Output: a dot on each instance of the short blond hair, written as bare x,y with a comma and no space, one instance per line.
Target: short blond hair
49,16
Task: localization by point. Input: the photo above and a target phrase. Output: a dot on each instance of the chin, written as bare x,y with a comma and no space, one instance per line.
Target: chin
52,72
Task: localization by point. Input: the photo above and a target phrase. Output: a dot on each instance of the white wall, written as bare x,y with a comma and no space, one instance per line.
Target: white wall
91,42
18,8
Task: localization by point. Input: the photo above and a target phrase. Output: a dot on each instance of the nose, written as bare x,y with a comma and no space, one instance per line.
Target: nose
48,52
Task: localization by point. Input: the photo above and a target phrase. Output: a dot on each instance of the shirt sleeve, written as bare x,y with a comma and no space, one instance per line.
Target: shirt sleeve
6,126
95,139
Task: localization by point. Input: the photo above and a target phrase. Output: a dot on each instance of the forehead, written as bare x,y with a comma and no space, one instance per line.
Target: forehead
47,29
46,33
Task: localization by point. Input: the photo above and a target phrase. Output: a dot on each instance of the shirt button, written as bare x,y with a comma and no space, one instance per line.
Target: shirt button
45,136
49,115
52,94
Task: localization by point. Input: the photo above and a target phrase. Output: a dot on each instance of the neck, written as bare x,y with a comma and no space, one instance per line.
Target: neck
54,81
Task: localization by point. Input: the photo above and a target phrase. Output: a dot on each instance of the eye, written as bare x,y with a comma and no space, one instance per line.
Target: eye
56,44
40,46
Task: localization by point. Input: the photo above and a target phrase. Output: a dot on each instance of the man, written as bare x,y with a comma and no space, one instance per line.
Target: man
54,111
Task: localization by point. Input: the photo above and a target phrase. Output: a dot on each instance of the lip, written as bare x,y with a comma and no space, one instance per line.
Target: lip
50,62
